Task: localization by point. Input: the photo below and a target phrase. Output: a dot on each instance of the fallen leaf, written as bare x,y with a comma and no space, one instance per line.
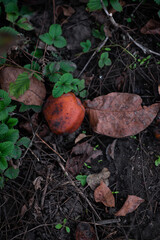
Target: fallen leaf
23,210
33,96
151,27
104,195
120,114
80,137
159,89
131,204
95,179
66,10
85,231
37,183
110,150
80,154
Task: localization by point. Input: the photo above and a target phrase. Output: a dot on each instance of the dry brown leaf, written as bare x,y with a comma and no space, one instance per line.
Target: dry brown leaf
110,150
33,96
131,204
37,183
104,195
120,114
85,231
23,210
80,137
151,27
80,154
94,180
159,89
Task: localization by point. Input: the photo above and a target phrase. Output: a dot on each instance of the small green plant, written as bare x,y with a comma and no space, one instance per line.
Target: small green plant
82,179
94,5
86,46
95,148
15,16
86,165
99,33
104,60
157,161
67,83
9,139
60,226
53,37
140,61
133,137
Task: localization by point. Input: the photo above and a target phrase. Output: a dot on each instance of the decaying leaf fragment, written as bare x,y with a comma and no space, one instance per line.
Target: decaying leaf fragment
80,154
120,114
94,180
33,96
131,204
151,27
104,195
85,231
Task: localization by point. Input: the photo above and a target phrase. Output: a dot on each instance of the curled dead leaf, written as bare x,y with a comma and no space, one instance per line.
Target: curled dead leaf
131,204
80,137
33,96
151,27
104,195
37,183
120,114
94,180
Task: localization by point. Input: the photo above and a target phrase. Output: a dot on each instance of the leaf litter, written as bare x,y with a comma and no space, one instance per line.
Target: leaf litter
120,114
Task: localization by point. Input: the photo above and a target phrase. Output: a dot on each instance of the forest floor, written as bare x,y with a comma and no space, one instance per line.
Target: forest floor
43,195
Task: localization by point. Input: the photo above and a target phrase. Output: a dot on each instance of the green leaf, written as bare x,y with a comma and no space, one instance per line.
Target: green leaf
38,53
12,122
116,5
25,141
67,66
24,24
104,60
11,7
157,1
11,173
46,38
82,179
12,135
17,152
35,108
3,128
57,90
59,42
96,4
21,85
34,66
12,17
3,58
58,226
11,108
64,221
53,67
6,148
83,94
55,30
158,13
54,77
97,34
86,46
3,163
81,85
157,162
1,182
5,96
3,114
67,229
8,30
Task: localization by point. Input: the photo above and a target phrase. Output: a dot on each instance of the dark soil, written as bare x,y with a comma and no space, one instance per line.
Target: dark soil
29,210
